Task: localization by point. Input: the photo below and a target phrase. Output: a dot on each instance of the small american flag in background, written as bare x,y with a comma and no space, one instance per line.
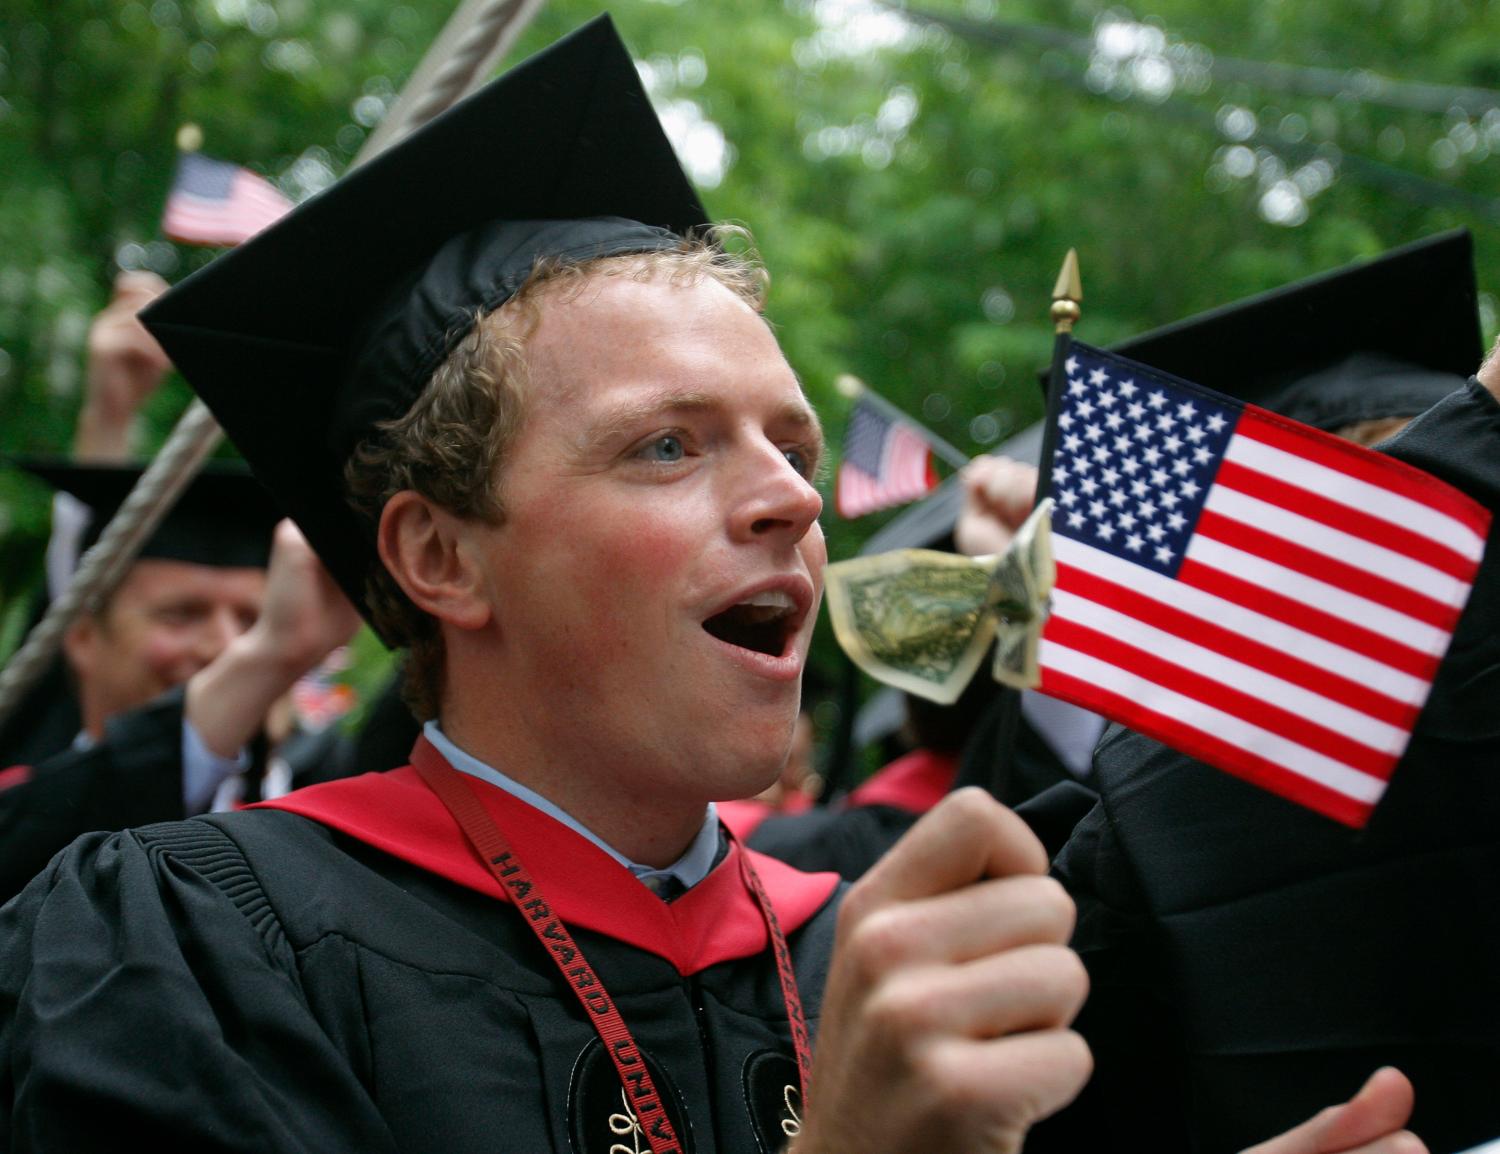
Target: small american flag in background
213,202
886,462
1258,594
318,697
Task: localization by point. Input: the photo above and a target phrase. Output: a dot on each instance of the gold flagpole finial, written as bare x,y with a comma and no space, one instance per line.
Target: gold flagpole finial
849,385
1067,294
189,138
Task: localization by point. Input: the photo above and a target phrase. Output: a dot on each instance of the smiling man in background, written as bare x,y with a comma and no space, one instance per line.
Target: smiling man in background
176,671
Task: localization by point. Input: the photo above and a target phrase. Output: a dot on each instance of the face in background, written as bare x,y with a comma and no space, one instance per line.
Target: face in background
166,621
655,581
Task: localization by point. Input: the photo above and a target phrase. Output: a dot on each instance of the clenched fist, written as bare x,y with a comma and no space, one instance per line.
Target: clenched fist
945,1021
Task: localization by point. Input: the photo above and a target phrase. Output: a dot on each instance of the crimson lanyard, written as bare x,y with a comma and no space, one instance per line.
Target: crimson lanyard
518,884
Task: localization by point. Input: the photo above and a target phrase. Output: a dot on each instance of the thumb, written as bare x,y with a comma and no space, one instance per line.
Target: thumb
1381,1108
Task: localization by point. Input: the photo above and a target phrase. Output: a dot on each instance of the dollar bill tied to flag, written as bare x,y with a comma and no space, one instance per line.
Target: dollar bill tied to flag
1261,595
922,620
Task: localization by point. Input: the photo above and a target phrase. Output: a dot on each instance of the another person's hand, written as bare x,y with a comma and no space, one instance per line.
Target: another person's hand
999,494
125,365
945,1022
1369,1123
304,617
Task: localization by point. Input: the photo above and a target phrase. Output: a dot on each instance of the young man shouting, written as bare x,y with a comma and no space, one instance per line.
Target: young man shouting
578,472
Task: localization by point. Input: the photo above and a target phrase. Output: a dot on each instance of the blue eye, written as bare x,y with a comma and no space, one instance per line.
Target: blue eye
667,449
799,460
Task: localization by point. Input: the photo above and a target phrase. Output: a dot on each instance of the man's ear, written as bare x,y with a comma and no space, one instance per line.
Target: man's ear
427,549
80,642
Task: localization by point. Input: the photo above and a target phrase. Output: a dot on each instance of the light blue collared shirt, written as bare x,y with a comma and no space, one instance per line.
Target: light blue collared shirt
688,870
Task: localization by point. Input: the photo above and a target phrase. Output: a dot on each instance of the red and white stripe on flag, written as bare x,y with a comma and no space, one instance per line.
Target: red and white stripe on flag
905,473
1294,637
213,202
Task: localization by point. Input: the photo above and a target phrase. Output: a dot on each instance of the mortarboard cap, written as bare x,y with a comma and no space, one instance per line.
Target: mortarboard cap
1385,338
224,518
335,317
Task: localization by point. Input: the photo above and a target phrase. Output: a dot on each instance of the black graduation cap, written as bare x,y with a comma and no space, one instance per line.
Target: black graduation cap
335,317
225,517
1386,338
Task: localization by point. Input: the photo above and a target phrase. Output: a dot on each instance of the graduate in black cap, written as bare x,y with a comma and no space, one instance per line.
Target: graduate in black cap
585,507
197,583
171,674
1248,957
551,447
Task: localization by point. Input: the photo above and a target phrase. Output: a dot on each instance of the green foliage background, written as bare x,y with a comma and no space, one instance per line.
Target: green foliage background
913,184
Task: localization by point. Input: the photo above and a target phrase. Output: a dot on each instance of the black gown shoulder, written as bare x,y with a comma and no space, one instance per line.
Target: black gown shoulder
132,777
255,981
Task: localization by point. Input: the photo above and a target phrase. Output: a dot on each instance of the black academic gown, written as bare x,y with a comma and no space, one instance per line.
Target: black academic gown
1252,962
133,776
45,721
265,981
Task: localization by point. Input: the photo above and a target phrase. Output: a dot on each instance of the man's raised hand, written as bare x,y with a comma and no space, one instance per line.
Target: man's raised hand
945,1022
999,494
125,365
304,617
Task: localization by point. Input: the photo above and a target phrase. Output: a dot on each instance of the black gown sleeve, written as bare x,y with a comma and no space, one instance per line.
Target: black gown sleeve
43,722
145,991
1458,439
1128,1018
132,777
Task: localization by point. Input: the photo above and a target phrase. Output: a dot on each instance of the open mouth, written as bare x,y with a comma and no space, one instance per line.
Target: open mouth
763,623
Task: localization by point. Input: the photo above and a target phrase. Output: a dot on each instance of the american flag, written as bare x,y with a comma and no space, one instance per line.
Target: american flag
1258,594
886,462
318,697
213,202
